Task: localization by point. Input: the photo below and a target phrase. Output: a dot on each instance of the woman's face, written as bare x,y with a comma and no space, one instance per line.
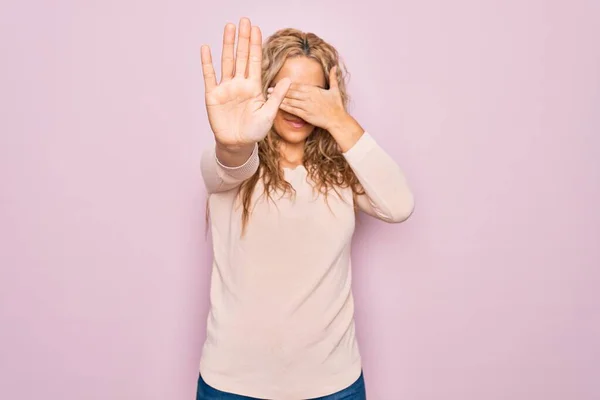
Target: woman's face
302,70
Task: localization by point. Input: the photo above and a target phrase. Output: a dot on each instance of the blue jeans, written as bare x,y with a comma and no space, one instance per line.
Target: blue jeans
356,391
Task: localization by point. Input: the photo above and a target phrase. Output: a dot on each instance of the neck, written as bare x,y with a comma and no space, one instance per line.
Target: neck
292,154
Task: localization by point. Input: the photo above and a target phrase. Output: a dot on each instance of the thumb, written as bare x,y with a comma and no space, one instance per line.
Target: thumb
274,101
333,82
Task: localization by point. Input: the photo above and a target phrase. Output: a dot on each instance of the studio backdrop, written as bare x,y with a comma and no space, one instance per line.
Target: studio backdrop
492,109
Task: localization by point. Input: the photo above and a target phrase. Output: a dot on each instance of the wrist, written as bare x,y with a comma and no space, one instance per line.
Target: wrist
346,131
233,155
338,122
233,149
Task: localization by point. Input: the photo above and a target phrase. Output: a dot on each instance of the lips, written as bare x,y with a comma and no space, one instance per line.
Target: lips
296,123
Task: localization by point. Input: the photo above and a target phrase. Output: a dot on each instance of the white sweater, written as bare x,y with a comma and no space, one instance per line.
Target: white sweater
281,322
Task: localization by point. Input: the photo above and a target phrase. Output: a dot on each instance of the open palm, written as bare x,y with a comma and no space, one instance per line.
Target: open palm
238,112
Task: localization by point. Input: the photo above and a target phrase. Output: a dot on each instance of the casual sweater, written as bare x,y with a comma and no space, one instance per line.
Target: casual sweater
281,321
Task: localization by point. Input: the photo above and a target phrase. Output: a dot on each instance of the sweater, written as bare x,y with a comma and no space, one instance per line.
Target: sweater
281,320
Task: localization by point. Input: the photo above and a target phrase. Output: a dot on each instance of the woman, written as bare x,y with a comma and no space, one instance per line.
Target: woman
288,171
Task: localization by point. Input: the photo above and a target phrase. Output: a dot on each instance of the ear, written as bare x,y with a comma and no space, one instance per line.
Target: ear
333,82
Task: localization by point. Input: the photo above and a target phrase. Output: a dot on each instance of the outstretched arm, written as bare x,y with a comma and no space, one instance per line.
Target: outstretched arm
238,113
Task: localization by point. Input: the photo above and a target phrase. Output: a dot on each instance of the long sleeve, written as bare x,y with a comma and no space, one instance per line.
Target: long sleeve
387,194
220,178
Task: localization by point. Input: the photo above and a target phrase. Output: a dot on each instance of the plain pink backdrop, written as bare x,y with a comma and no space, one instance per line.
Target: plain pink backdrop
489,292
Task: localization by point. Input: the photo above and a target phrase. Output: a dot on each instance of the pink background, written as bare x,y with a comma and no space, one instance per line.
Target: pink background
492,108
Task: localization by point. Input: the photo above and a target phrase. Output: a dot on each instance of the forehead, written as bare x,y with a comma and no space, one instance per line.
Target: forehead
303,70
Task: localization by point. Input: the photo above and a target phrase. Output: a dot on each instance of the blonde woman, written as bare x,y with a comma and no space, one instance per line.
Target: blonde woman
289,170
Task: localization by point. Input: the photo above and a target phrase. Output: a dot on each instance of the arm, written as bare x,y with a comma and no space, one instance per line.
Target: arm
238,113
387,194
223,170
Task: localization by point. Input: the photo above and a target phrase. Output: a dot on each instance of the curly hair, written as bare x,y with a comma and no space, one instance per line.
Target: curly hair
323,159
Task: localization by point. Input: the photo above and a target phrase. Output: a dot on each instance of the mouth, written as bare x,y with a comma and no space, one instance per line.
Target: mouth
296,123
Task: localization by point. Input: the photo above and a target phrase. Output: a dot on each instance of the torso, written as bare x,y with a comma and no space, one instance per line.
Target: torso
281,323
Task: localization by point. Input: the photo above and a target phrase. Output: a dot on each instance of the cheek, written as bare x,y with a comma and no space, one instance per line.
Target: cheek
278,121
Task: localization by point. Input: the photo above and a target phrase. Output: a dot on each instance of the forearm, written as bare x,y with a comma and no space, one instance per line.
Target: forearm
224,169
388,195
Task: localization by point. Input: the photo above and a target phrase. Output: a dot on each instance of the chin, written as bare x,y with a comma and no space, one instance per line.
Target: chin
294,137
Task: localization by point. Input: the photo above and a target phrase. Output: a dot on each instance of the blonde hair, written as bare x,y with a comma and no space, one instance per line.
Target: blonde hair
323,160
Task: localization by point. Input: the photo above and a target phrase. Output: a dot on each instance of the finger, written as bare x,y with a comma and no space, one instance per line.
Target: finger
274,101
255,67
333,81
227,60
269,90
210,79
243,45
295,94
293,110
299,87
294,103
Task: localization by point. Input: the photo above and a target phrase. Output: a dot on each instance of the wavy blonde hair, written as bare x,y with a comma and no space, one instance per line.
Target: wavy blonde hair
323,160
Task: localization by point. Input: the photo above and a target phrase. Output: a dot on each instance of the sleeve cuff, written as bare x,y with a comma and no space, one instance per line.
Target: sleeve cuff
243,171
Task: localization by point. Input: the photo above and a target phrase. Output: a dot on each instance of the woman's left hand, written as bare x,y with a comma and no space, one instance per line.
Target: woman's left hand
319,107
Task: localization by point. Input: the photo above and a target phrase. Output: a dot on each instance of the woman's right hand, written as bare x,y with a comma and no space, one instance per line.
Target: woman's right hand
238,113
